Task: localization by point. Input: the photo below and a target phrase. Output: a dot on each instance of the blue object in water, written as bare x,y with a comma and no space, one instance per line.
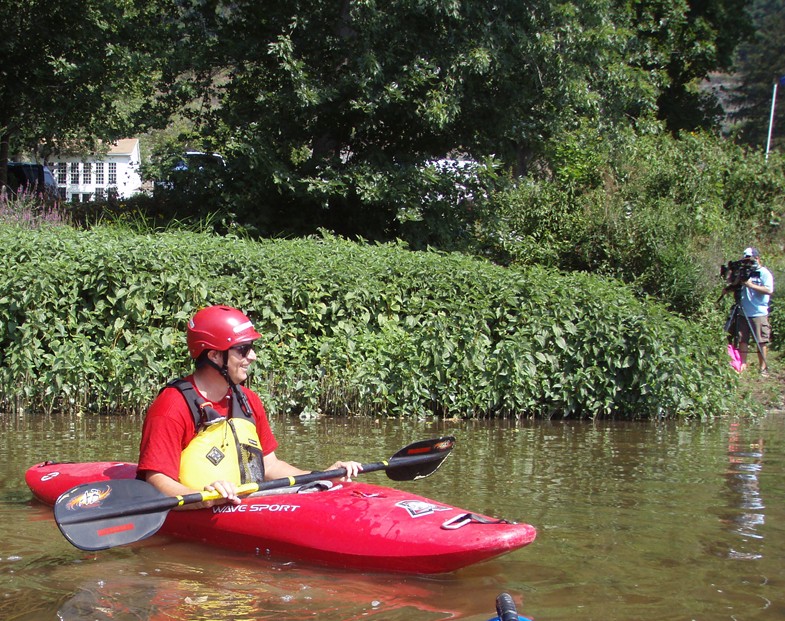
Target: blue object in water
505,609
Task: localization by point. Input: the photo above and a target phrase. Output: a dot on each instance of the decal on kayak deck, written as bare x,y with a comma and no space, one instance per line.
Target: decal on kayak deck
254,508
91,498
418,508
51,475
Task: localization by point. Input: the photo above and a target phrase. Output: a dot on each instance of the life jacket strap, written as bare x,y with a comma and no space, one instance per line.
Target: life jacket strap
203,412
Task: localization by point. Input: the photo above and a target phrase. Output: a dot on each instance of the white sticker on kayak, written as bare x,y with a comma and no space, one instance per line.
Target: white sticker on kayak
418,508
51,475
254,508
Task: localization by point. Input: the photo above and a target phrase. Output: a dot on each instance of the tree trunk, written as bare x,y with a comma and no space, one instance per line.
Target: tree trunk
5,139
523,156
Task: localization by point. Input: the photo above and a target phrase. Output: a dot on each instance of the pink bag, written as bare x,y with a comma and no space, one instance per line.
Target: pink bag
735,358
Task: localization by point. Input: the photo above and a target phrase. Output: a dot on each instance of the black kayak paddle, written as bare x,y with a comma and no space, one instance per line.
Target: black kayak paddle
105,514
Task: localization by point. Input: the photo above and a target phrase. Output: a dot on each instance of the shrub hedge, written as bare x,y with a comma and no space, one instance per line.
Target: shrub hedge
94,321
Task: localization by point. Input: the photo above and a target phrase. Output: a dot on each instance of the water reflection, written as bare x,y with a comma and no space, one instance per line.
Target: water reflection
142,586
745,463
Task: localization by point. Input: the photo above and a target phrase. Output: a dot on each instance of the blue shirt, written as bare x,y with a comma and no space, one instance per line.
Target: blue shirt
753,303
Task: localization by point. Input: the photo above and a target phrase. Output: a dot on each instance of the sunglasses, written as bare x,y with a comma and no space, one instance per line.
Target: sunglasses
243,349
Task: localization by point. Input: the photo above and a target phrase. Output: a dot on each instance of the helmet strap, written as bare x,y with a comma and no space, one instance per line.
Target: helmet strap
237,392
222,369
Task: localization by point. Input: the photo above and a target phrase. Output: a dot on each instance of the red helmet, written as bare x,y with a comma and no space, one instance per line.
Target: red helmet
218,327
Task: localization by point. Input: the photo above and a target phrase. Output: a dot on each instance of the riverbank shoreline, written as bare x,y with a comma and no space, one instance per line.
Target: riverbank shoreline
766,392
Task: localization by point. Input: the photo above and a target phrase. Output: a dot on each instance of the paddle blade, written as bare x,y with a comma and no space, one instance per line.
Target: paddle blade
101,515
420,459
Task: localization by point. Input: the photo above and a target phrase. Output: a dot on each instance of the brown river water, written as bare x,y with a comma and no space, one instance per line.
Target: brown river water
636,521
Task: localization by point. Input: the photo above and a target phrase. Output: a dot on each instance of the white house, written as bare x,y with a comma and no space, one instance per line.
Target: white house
98,177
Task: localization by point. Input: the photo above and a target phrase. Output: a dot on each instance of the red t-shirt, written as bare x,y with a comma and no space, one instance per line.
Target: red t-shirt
169,427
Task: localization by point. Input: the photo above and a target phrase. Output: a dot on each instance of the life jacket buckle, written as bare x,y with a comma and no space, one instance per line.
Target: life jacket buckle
208,414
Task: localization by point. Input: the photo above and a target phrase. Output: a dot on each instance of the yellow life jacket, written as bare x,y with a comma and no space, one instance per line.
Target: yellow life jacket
225,448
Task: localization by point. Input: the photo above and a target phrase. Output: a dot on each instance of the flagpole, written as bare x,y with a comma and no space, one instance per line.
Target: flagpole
771,116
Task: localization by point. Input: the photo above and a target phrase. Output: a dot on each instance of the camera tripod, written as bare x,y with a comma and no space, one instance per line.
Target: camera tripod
738,309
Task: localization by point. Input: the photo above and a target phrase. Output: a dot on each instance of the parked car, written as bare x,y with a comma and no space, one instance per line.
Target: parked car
194,171
30,177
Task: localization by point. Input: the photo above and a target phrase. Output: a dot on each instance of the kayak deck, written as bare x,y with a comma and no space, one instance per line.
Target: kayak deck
353,525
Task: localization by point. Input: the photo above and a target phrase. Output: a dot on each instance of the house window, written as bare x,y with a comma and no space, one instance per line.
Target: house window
87,173
112,173
99,173
74,173
99,192
62,175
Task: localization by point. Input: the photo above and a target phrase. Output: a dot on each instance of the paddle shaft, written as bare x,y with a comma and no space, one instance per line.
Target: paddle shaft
104,514
165,503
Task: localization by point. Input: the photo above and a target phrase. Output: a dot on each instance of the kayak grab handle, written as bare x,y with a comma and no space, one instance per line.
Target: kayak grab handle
462,519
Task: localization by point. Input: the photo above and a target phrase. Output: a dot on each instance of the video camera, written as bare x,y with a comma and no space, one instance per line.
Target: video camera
737,272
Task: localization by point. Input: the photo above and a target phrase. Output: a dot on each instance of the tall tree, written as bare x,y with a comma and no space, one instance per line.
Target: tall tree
761,63
432,75
416,79
73,71
339,103
682,42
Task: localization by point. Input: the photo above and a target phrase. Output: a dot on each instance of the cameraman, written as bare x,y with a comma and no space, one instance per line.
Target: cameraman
754,298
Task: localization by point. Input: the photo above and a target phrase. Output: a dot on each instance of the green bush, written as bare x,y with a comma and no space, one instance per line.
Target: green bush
658,213
94,320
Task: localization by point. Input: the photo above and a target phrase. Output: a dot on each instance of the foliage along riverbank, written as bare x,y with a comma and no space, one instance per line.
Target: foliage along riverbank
94,321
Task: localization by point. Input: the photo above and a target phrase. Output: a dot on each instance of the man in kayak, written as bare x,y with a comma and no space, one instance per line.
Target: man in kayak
208,431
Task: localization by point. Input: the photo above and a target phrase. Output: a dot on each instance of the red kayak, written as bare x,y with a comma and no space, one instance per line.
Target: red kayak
352,525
